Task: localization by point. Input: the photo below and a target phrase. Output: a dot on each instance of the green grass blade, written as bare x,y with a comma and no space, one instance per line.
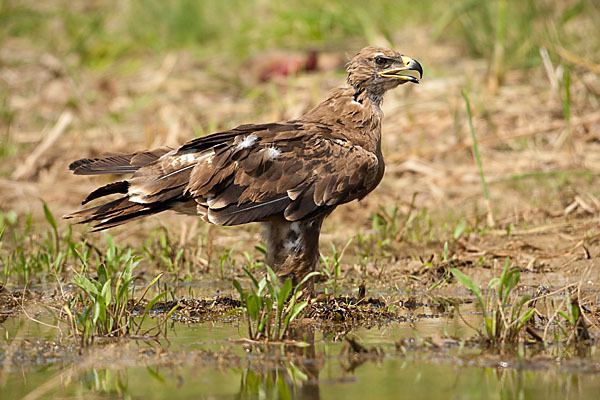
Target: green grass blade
50,217
475,145
254,281
152,302
238,287
468,283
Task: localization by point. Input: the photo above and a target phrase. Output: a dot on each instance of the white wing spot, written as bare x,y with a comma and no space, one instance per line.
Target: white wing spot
272,152
187,158
137,198
206,156
247,142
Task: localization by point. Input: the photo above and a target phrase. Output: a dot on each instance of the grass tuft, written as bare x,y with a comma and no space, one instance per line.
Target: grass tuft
106,306
504,313
266,306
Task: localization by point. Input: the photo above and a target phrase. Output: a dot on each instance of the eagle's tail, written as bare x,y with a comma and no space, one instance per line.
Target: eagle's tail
117,212
117,164
121,210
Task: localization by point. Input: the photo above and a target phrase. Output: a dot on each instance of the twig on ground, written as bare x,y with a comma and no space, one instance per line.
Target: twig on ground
28,167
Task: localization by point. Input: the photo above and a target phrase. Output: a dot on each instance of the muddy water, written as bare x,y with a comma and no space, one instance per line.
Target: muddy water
205,361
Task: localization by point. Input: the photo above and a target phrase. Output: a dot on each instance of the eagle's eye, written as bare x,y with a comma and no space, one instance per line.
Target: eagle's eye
381,61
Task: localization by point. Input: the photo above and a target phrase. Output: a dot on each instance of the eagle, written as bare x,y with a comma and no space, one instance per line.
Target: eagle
288,176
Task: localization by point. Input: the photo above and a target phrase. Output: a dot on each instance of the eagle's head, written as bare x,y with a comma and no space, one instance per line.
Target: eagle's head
377,69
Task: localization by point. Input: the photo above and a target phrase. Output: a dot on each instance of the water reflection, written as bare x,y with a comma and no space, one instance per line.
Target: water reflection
295,373
200,362
287,376
287,381
108,382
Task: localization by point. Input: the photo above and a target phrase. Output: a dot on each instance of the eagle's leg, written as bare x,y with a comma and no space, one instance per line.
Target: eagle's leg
293,248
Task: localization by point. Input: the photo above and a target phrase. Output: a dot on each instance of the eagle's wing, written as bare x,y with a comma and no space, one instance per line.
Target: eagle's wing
300,170
246,174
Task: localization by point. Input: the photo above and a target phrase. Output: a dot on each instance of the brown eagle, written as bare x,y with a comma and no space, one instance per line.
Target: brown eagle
286,175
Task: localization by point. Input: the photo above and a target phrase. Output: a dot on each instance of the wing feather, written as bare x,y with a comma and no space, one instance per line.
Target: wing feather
250,173
300,172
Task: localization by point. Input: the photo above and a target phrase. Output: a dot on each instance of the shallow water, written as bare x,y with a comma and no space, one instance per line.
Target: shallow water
205,361
390,378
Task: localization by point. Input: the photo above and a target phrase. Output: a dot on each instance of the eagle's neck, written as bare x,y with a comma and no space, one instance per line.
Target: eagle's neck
373,95
370,99
353,113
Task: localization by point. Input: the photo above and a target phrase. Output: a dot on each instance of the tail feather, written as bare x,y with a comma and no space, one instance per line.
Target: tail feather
126,215
117,212
104,210
123,209
117,163
99,166
111,188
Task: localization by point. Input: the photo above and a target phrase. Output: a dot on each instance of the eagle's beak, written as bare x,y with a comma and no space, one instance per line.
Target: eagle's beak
406,72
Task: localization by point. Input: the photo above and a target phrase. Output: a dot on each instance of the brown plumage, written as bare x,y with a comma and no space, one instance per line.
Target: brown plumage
287,175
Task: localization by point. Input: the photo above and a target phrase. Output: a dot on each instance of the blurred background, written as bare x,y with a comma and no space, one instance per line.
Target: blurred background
81,78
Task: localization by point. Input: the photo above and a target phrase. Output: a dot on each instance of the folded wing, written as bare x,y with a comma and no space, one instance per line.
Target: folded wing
250,173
